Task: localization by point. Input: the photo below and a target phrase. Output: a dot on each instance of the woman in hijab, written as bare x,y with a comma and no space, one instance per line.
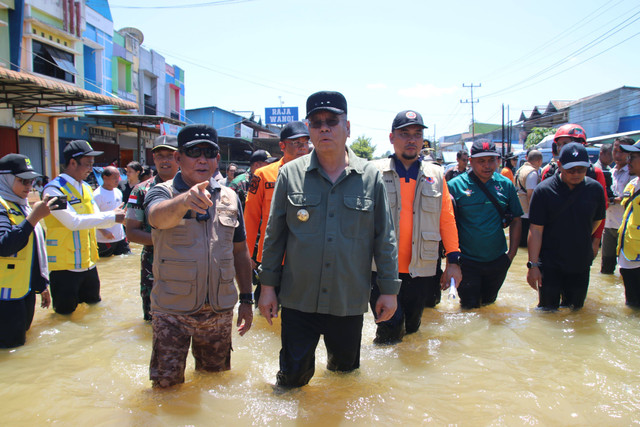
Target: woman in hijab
23,258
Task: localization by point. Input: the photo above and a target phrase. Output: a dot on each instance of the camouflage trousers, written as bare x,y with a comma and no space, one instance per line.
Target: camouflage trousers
209,334
146,282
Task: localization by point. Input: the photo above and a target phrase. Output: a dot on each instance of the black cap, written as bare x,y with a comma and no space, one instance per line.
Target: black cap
79,148
197,134
483,148
18,165
635,148
328,101
261,156
574,154
294,130
510,156
169,142
407,118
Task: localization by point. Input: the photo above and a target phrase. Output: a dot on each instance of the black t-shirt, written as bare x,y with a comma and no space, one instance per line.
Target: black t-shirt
566,239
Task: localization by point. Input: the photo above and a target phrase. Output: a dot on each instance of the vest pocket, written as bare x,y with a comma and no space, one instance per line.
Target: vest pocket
226,295
429,246
175,286
430,200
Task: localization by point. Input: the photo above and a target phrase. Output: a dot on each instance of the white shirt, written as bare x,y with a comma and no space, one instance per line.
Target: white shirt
531,182
108,200
620,178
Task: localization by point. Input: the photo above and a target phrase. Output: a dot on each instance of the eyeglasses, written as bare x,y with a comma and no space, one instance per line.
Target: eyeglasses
331,122
25,182
196,152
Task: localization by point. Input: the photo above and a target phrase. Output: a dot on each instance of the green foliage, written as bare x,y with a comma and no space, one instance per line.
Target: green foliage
537,135
363,148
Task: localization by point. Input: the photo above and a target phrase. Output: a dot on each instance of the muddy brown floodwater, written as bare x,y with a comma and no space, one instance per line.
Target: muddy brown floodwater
506,364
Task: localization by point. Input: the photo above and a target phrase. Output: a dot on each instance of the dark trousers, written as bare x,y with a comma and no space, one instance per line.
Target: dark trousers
15,320
562,288
481,281
70,288
414,291
609,251
631,278
300,335
525,232
106,250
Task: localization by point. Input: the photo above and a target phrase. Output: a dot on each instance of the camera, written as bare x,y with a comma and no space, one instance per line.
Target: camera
60,203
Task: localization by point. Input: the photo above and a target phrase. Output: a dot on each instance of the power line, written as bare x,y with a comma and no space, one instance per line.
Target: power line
472,101
583,49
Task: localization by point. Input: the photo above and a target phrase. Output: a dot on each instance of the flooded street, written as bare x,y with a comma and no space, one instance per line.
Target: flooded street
507,364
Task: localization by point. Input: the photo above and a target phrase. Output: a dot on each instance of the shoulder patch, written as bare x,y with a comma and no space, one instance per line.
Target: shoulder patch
254,184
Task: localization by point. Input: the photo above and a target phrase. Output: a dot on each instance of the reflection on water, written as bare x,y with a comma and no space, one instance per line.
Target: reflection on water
506,364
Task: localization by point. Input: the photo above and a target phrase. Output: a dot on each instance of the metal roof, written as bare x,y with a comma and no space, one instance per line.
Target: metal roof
136,119
23,91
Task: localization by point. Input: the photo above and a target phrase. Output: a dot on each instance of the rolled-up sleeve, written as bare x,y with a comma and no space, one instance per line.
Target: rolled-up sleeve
385,247
275,242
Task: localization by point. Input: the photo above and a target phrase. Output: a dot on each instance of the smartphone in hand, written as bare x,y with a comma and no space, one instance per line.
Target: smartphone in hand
60,203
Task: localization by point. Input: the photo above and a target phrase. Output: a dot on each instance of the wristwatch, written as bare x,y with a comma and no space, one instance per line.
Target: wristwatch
246,298
533,264
454,258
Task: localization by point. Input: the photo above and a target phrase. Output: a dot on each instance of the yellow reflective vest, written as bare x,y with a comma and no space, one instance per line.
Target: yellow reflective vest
15,280
67,249
629,231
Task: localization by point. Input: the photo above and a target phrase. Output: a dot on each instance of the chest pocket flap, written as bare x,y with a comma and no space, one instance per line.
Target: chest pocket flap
359,203
430,198
304,199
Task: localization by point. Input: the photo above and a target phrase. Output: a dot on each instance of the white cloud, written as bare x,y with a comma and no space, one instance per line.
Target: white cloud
426,91
376,86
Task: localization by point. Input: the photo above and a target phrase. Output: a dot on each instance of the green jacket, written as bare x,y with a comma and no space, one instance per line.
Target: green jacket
330,233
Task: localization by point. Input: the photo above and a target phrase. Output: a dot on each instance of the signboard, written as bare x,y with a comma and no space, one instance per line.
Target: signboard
280,115
102,135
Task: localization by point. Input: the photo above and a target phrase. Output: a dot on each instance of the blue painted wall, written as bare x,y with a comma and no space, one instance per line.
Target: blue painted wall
222,120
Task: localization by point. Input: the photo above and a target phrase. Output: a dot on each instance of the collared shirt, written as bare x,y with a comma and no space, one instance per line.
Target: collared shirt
159,194
330,233
566,238
480,229
620,178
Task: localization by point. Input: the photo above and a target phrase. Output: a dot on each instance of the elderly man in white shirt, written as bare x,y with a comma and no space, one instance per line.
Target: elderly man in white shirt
620,178
112,240
71,237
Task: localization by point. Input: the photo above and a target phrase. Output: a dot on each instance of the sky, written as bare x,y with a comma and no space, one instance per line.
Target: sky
389,56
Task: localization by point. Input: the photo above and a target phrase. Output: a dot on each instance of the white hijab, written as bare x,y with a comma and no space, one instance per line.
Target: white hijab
6,192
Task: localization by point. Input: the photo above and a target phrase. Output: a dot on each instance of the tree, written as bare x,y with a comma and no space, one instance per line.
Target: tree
537,135
363,148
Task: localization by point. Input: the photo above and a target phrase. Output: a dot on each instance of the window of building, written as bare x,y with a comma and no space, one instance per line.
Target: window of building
53,62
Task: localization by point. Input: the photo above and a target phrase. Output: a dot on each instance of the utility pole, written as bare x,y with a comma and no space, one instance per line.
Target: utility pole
472,101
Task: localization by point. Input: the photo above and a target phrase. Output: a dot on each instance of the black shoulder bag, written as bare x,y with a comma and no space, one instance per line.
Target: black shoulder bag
505,216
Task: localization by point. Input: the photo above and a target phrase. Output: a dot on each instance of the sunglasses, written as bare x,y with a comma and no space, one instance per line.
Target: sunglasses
196,152
298,144
317,124
25,182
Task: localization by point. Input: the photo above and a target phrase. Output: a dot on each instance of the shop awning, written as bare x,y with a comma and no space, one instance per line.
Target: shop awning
26,92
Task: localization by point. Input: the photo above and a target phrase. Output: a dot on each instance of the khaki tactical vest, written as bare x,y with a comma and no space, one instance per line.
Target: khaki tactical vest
427,205
193,261
521,184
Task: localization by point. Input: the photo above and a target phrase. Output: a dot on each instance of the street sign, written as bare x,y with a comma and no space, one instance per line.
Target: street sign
280,115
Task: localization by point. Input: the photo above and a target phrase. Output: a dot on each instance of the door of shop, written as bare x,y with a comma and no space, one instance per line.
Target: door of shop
32,148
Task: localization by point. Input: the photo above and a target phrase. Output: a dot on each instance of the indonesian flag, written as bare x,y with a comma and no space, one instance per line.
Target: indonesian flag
133,200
